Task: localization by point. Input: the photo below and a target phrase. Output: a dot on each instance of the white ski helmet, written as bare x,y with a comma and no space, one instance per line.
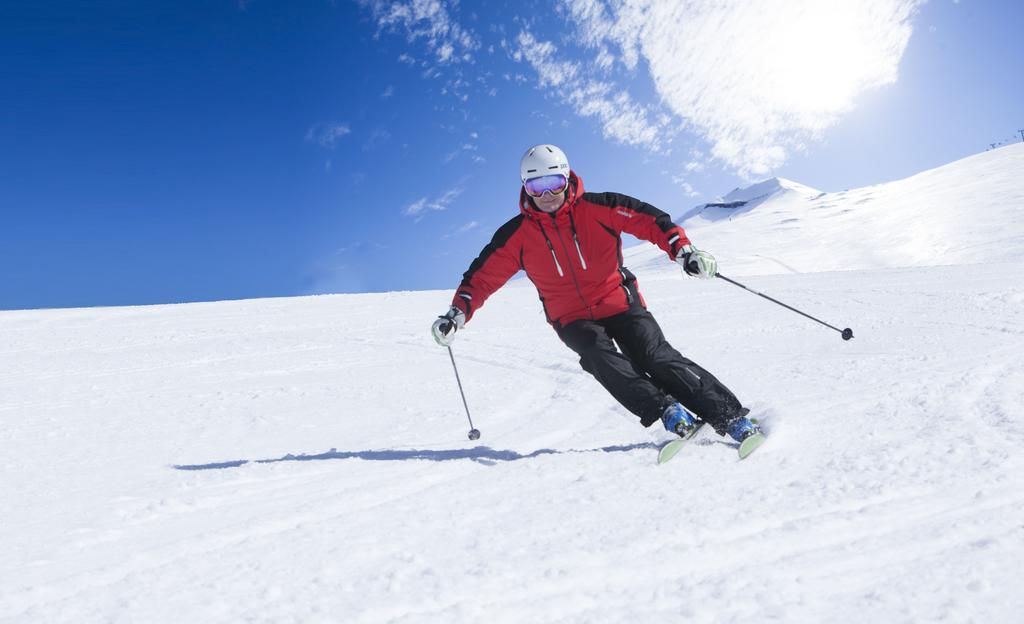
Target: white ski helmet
541,160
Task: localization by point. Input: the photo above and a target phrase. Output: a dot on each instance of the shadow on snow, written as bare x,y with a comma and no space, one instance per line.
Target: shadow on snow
482,454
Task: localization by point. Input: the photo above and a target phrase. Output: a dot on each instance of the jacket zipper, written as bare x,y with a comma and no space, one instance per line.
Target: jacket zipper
551,248
575,282
576,239
582,261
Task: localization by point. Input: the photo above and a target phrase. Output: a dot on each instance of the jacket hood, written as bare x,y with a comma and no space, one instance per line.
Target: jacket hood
528,208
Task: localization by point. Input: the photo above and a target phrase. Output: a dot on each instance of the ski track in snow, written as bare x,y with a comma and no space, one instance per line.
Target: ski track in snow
305,460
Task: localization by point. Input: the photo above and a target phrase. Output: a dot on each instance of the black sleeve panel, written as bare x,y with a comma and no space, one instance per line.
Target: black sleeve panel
492,268
498,241
628,214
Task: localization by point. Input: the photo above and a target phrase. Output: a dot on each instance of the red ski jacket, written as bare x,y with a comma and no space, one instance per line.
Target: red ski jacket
573,256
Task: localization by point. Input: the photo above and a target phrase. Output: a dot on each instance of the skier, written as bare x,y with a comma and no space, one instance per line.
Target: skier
568,242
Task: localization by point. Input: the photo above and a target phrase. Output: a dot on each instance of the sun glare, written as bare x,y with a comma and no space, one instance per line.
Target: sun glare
819,58
760,78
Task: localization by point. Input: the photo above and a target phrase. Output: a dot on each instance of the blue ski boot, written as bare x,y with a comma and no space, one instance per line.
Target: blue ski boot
747,433
741,429
682,423
679,421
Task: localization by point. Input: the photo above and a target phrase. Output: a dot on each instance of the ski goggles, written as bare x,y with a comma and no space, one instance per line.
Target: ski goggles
554,184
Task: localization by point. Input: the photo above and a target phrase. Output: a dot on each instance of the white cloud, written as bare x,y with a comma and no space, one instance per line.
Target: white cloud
419,207
388,92
615,22
688,189
432,23
469,148
621,118
416,207
756,79
472,225
427,20
696,164
327,134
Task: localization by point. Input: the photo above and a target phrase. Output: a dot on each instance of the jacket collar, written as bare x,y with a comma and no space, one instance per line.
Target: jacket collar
528,208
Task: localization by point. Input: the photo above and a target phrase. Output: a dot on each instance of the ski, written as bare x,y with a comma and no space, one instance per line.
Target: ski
670,449
751,444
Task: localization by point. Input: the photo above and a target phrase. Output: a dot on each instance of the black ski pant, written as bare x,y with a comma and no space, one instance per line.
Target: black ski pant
648,374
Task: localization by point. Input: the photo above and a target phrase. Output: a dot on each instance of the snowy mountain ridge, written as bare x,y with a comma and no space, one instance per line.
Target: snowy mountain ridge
967,212
762,190
746,198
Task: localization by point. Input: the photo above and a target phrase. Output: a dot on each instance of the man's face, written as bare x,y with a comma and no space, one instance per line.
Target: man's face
549,202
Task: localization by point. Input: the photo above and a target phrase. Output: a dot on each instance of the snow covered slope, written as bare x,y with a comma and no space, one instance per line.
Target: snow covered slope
970,211
305,460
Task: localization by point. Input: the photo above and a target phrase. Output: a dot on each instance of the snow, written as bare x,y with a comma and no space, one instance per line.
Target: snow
763,190
967,212
306,460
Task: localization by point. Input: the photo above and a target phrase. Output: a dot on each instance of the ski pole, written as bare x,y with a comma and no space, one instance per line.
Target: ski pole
846,333
474,433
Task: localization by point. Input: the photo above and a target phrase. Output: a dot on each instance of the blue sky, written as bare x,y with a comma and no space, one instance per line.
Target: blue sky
164,152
